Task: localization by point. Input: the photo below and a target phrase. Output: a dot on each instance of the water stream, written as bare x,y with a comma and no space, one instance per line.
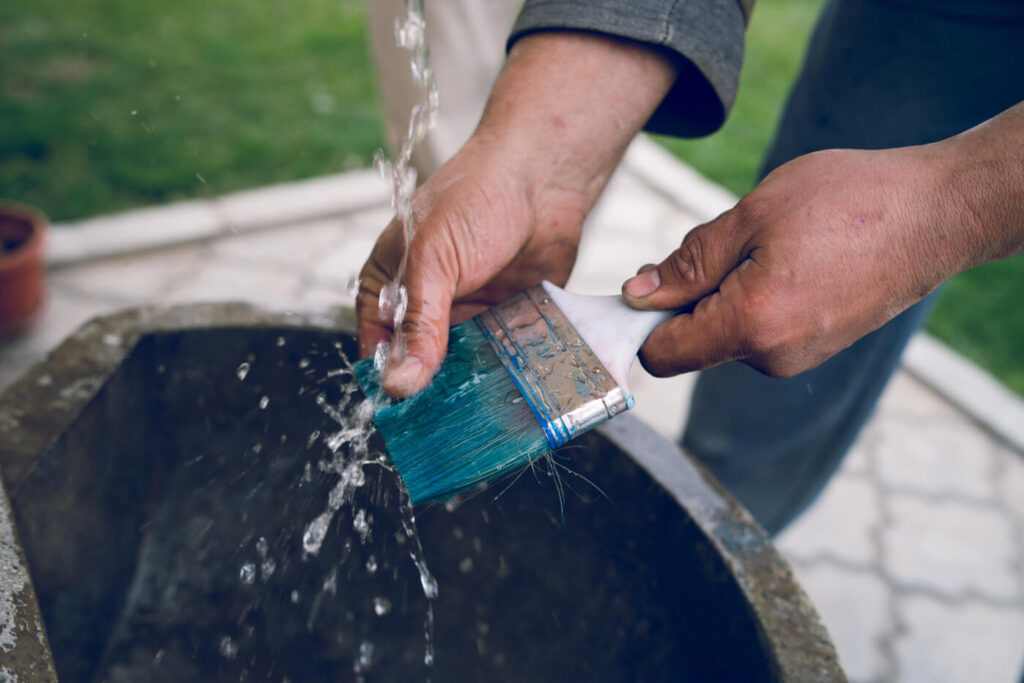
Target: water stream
410,34
349,445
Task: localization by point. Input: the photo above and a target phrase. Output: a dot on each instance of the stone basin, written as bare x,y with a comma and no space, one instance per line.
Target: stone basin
160,502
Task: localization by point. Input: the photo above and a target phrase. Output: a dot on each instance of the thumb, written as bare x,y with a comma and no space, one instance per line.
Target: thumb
707,255
430,286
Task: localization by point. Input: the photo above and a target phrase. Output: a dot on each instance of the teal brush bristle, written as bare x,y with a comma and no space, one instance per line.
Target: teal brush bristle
470,425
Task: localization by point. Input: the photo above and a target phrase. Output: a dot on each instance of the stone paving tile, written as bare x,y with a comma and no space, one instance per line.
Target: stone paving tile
854,604
628,210
295,246
939,456
605,264
222,281
840,525
1010,482
132,279
856,461
908,397
958,643
343,261
951,547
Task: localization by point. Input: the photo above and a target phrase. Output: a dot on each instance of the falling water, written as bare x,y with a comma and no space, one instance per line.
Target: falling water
410,34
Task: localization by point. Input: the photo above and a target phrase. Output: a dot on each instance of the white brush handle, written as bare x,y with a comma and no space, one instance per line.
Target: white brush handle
613,330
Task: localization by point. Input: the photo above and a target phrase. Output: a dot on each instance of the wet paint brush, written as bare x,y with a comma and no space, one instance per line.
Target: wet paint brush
518,380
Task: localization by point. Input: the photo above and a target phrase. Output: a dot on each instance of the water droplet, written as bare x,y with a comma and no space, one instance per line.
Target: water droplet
264,402
280,341
262,546
247,574
243,370
313,537
303,363
228,648
267,568
295,597
353,285
466,565
365,657
331,582
135,112
380,356
381,605
428,582
371,565
361,524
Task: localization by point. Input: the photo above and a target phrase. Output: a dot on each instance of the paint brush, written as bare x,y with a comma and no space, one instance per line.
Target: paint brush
520,379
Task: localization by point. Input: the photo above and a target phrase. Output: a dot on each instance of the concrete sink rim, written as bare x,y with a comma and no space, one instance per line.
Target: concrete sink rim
788,624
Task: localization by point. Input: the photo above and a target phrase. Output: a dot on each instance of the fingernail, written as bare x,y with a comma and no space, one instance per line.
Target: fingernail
401,379
643,284
645,268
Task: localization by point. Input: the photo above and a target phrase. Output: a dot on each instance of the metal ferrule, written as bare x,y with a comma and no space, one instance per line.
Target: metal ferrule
567,387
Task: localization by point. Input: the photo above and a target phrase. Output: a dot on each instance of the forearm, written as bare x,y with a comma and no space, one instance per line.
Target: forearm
567,104
982,173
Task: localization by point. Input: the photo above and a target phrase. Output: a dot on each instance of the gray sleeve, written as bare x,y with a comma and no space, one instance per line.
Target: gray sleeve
704,38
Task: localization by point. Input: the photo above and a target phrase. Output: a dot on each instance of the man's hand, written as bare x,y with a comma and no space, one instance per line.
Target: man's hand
507,210
481,238
830,247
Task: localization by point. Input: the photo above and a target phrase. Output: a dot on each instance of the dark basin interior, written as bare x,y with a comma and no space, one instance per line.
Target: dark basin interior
142,527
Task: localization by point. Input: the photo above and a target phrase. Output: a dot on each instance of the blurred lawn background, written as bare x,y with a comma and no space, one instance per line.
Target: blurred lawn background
109,104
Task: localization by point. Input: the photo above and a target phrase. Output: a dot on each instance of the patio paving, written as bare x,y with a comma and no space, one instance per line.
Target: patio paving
914,555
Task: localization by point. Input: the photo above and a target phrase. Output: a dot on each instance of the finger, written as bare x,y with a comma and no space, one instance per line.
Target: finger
707,255
379,269
431,279
698,340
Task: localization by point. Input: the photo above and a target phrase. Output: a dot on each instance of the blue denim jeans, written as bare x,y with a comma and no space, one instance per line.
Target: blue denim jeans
878,74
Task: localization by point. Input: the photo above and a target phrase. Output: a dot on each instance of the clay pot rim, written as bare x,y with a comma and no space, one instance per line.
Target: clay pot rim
30,248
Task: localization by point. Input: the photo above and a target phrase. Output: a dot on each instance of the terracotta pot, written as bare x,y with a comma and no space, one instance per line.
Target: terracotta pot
22,269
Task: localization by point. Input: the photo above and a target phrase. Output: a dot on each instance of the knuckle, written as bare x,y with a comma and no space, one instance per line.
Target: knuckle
686,266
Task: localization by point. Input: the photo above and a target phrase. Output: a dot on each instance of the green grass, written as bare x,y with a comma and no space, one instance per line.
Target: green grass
980,313
109,104
106,104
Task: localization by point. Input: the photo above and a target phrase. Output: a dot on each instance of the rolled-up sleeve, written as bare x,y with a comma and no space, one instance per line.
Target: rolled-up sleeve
703,37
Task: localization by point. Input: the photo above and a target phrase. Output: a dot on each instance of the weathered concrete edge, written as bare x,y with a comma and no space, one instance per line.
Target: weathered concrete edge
944,371
198,220
789,624
974,391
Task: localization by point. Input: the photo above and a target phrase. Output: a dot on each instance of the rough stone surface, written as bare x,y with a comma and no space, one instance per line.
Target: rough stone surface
953,643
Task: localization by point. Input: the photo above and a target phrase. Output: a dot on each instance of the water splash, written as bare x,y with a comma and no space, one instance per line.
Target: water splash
350,451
